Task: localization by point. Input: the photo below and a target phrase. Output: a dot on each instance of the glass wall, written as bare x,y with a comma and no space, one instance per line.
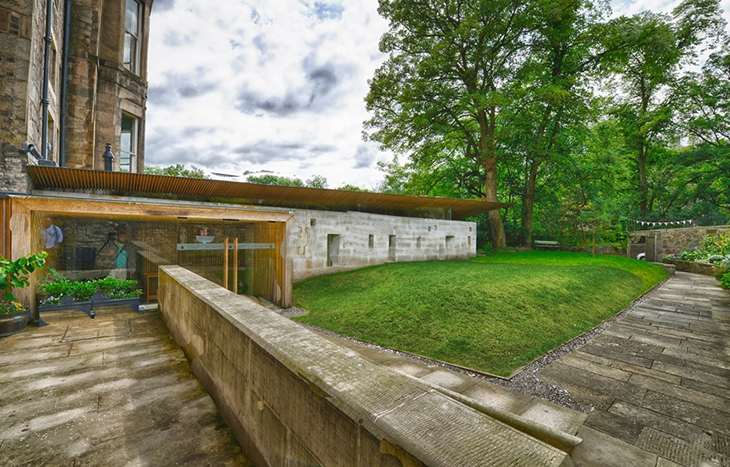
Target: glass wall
133,249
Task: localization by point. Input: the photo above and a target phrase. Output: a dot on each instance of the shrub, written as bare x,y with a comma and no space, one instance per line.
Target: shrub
712,249
81,291
15,274
725,281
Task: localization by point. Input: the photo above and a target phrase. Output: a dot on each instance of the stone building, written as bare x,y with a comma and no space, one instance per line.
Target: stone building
81,64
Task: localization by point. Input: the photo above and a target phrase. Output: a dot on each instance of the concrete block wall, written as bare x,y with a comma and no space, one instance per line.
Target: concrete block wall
414,239
293,398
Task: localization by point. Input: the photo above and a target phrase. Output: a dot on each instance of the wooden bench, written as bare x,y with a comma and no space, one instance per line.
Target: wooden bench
546,245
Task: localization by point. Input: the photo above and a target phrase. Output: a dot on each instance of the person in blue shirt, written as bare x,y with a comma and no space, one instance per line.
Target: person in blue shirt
52,238
123,258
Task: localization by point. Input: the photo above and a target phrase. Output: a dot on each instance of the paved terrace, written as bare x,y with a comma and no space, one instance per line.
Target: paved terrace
116,390
112,391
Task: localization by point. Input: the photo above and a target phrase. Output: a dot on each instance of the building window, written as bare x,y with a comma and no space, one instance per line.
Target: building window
128,146
313,222
131,36
371,241
418,242
449,241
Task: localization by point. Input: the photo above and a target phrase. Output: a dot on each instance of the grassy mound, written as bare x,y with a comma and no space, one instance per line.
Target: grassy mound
492,314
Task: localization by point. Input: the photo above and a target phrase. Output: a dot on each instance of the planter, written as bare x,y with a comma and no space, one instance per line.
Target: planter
98,300
67,303
13,323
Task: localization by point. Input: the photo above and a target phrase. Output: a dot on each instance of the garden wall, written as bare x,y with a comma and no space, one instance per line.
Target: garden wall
690,266
669,241
293,398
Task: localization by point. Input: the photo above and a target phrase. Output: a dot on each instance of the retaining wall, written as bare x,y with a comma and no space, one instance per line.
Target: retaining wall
293,398
322,242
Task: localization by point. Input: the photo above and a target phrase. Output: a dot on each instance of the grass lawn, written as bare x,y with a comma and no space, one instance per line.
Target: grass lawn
492,314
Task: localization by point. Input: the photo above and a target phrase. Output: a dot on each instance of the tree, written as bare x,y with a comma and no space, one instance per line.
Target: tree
317,181
348,187
549,96
176,170
271,179
647,53
441,91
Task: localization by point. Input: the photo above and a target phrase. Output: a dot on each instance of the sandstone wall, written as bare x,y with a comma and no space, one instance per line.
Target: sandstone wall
669,241
294,398
352,240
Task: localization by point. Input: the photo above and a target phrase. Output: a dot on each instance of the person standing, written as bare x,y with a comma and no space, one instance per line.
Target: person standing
52,238
123,258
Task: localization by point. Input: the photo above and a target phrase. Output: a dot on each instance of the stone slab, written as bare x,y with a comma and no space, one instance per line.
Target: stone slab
602,450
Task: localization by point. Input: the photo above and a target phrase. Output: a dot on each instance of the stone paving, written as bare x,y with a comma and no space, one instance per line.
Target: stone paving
112,391
655,386
116,390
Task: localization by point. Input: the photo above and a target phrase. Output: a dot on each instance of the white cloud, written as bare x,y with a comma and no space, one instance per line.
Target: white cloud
252,85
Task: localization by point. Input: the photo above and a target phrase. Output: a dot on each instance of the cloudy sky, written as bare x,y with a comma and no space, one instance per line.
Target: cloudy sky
277,85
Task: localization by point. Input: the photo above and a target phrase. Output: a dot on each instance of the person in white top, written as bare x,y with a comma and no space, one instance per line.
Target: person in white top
52,238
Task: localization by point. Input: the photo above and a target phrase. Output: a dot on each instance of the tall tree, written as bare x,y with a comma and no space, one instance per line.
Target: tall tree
549,96
648,52
443,87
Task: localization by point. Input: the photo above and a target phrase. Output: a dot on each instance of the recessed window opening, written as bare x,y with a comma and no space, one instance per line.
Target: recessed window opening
333,249
429,228
128,144
313,222
391,247
449,241
418,242
131,36
468,241
371,241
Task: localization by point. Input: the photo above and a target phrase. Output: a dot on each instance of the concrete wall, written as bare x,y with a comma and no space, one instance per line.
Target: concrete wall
294,399
349,237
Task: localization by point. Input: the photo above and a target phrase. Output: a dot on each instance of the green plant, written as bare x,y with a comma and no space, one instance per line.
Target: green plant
81,291
725,281
15,274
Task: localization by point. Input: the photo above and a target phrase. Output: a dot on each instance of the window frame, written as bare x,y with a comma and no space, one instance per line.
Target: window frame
133,49
132,155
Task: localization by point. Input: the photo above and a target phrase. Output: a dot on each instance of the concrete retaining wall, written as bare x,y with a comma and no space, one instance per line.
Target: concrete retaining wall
352,240
294,399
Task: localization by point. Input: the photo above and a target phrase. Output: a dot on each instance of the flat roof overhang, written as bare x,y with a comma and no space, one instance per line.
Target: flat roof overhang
196,189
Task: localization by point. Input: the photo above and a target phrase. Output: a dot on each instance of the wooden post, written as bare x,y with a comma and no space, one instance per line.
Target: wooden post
235,265
225,263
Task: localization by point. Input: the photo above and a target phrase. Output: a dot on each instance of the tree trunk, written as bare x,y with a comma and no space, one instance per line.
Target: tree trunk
643,184
499,238
488,149
529,201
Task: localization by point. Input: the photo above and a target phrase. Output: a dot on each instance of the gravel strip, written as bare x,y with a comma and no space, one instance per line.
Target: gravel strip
525,380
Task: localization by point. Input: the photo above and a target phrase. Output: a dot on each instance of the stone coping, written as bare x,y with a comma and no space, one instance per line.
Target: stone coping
396,410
